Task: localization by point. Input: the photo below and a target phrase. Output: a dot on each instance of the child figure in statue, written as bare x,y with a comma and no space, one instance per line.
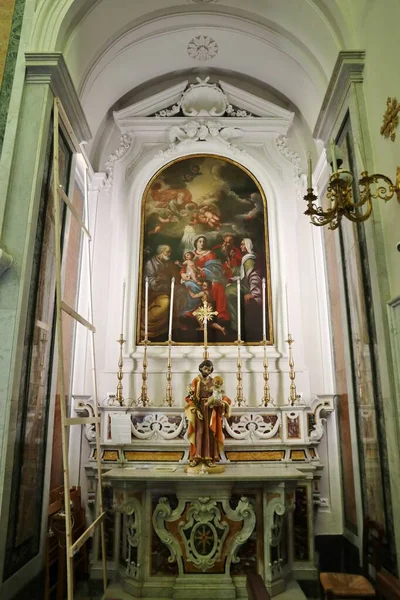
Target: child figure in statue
216,400
205,412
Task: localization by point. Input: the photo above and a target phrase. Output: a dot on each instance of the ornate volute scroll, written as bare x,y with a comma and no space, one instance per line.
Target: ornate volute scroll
163,513
276,505
133,531
84,408
158,426
243,512
253,426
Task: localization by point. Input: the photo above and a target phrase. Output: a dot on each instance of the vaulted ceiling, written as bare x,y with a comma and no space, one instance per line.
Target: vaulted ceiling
118,49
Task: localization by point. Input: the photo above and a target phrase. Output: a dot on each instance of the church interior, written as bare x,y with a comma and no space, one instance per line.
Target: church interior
199,299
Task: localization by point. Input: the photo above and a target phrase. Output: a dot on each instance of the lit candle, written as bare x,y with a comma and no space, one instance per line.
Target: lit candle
146,307
287,310
238,306
264,311
171,306
123,307
359,158
333,156
309,178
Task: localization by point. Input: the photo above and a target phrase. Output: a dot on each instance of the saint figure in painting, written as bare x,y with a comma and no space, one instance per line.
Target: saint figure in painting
206,405
250,286
210,268
160,270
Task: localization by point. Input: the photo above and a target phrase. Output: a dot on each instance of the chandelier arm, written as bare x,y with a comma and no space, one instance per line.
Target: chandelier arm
360,217
384,192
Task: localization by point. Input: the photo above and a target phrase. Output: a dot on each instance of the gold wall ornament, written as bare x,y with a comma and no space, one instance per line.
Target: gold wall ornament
390,119
342,202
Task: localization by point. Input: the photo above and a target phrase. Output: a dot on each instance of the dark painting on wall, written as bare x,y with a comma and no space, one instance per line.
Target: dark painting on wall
204,223
25,520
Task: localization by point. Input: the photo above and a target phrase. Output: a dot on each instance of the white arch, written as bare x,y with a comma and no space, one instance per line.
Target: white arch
100,43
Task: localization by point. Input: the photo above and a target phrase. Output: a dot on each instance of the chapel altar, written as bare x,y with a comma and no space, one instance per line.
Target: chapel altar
208,474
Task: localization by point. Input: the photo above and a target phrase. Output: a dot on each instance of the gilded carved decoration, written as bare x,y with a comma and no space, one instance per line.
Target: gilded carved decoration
390,119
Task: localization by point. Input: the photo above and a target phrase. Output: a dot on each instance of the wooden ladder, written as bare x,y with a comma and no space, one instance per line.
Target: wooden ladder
60,119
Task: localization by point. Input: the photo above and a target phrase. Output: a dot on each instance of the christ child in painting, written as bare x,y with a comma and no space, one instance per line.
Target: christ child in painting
189,271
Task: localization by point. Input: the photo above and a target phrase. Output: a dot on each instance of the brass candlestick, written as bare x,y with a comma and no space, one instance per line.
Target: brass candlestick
168,391
239,400
120,374
143,398
266,399
293,394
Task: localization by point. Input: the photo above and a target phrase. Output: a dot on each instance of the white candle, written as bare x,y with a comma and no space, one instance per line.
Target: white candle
309,178
238,307
146,307
264,311
333,156
123,307
359,158
171,306
287,310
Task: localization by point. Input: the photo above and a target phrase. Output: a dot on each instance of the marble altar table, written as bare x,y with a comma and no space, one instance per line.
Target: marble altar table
194,536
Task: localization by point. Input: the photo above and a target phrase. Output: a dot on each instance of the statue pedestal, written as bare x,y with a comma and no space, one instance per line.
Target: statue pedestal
203,469
196,536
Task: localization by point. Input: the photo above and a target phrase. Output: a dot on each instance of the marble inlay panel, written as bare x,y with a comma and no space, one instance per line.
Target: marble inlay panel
6,15
338,336
364,368
11,17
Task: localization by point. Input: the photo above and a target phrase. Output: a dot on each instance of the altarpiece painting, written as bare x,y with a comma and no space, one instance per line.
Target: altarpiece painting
204,223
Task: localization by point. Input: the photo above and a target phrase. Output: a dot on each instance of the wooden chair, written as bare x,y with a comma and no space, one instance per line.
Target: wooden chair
55,567
387,586
346,585
53,549
255,586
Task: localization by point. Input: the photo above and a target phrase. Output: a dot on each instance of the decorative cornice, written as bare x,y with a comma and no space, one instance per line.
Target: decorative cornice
51,69
348,69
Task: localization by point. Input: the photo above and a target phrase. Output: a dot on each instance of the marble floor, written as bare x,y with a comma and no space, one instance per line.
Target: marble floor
115,592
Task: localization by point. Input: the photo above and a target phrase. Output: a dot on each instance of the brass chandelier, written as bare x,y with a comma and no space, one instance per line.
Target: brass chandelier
340,194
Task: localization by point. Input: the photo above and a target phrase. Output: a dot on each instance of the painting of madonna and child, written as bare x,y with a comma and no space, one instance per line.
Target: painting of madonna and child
205,224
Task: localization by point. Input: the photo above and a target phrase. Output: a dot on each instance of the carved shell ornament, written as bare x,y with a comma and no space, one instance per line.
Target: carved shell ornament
202,47
202,99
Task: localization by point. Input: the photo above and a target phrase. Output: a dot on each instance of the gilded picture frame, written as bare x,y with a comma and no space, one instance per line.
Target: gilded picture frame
204,222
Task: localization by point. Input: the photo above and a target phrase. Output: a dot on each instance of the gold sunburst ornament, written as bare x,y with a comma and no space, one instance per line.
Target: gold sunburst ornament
204,314
390,119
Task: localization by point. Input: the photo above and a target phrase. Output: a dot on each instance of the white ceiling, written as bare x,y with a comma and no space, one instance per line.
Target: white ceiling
114,46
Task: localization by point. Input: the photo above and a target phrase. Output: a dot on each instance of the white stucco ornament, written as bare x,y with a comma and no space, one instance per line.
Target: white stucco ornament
125,143
202,47
203,99
200,131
